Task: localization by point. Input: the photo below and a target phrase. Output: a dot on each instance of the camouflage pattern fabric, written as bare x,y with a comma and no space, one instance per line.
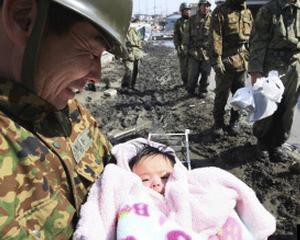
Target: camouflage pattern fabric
48,160
135,53
134,45
275,45
196,36
179,30
196,42
231,26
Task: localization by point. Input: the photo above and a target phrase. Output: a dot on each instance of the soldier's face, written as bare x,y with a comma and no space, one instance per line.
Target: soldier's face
204,8
67,62
186,13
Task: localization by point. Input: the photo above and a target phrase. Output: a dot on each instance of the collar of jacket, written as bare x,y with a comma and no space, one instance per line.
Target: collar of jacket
19,103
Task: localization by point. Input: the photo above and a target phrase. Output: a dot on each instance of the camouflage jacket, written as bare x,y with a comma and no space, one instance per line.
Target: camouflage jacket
179,30
230,30
275,40
48,160
196,36
134,45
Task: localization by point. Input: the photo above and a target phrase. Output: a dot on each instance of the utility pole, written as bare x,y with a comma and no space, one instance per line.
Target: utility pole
154,7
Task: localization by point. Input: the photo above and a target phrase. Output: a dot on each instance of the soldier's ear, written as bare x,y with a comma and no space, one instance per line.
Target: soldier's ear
18,18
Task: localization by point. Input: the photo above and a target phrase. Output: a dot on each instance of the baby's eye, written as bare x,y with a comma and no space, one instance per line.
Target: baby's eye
166,176
145,180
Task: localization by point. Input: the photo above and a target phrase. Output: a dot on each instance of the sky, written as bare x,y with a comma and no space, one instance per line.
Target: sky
163,7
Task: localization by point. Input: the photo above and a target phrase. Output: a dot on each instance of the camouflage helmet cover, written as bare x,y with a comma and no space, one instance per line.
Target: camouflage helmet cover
183,6
112,16
204,2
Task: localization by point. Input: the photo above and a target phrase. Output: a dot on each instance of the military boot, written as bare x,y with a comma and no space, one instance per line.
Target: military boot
278,154
218,129
234,124
262,152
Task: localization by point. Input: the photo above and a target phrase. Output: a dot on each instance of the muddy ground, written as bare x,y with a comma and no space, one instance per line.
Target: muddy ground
162,105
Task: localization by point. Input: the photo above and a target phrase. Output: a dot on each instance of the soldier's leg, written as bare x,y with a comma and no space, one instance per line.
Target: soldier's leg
183,64
193,74
134,73
126,80
205,70
223,84
286,108
237,82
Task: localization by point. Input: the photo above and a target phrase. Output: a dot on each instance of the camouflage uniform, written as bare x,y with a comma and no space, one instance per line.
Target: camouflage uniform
179,30
231,25
275,45
196,42
48,160
135,53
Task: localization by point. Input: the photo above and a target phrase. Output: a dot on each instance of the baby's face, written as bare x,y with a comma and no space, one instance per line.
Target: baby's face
154,171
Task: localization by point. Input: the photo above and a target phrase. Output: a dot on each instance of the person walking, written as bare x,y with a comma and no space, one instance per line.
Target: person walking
131,62
196,43
179,30
231,26
51,148
275,45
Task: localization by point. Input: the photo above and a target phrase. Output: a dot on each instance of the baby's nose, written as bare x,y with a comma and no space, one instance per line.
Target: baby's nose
156,183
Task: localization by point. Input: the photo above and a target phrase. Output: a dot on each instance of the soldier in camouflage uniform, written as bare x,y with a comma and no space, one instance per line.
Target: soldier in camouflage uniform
230,32
275,45
179,30
51,148
196,43
131,63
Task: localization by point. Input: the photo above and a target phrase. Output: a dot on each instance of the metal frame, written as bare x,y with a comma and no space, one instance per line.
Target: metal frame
186,144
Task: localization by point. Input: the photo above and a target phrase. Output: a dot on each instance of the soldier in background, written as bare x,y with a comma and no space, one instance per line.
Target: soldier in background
229,39
51,148
179,29
196,44
135,54
275,45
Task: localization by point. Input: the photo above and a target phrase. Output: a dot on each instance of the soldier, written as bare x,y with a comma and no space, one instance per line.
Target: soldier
131,63
230,32
51,148
179,29
196,43
275,45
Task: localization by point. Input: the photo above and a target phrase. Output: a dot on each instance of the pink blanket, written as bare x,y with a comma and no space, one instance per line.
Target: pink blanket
201,200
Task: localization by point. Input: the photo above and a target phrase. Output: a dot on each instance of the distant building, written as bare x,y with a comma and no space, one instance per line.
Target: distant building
170,21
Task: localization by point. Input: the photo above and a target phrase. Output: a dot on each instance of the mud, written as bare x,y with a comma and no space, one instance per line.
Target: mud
161,104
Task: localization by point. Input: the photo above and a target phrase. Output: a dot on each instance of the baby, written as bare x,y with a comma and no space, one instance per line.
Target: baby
149,194
153,166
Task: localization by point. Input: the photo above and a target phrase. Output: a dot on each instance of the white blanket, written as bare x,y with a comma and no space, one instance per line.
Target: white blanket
197,203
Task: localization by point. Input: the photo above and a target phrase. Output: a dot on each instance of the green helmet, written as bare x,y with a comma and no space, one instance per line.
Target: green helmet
204,2
111,16
183,6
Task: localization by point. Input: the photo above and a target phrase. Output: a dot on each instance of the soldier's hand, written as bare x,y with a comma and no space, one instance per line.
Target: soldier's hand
255,76
219,68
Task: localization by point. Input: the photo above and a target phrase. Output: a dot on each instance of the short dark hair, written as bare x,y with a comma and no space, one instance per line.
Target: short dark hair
147,150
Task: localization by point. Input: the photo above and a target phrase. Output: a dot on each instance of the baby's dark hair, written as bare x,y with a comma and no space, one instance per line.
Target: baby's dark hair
147,150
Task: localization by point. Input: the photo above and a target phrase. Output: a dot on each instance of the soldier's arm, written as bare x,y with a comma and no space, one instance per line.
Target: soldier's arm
186,36
260,38
176,39
216,38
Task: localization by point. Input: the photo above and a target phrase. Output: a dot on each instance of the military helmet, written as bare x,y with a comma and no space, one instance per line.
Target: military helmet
184,6
105,14
204,2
